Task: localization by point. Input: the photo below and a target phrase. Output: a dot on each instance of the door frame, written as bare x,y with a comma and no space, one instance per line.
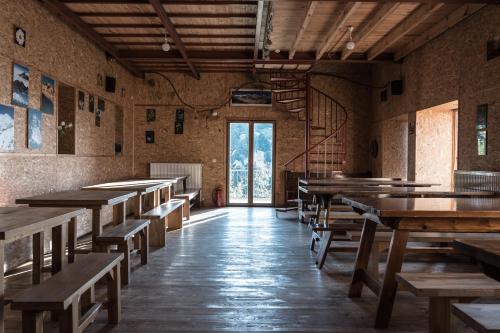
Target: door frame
251,123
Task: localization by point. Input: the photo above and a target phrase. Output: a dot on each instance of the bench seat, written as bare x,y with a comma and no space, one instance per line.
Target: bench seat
166,216
121,235
61,293
483,318
192,197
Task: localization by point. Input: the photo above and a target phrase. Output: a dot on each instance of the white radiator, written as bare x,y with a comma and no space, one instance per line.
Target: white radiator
194,170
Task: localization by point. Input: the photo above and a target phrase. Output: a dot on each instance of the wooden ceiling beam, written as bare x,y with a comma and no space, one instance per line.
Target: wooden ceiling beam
360,34
409,23
177,26
258,26
337,28
450,20
254,2
185,43
71,19
169,27
172,15
200,36
311,6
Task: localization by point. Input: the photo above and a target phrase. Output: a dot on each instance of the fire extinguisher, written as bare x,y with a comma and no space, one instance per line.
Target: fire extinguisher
218,196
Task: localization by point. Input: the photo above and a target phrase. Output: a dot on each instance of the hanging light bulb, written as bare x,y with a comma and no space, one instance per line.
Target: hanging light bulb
165,46
350,45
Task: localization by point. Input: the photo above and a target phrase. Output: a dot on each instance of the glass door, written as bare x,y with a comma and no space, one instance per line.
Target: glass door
250,163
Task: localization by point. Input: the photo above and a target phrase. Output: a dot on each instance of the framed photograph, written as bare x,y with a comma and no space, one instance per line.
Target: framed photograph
482,117
251,97
150,136
48,95
81,100
91,103
6,127
20,85
150,115
101,105
35,137
179,121
98,118
20,36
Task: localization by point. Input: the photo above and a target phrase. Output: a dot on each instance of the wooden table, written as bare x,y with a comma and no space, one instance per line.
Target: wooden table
405,215
142,187
20,222
363,182
94,200
486,251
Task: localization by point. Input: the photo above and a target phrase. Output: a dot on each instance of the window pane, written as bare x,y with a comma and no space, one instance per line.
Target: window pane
263,163
239,134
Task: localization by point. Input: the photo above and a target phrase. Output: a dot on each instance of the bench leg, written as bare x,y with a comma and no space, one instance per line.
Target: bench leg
186,210
58,249
125,266
72,239
119,213
158,234
362,258
145,245
38,251
175,219
326,241
373,263
114,296
32,322
70,318
440,318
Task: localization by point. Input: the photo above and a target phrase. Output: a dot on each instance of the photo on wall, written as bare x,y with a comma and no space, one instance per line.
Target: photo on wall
20,85
35,138
251,97
81,100
150,115
91,103
6,127
101,105
98,119
48,95
150,136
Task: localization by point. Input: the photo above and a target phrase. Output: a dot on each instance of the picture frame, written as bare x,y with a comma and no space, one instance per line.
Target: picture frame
150,137
150,115
252,97
35,129
48,95
81,100
6,128
20,85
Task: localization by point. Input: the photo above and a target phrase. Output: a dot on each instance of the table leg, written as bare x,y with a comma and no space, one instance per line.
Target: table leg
440,318
138,206
58,248
389,285
114,296
326,241
38,252
72,234
119,213
362,258
96,227
184,184
157,200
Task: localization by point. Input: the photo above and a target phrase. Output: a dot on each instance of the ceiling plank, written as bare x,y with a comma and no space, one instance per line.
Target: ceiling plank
311,6
408,24
75,22
450,20
214,44
162,14
258,26
200,36
172,15
336,28
359,35
178,26
254,2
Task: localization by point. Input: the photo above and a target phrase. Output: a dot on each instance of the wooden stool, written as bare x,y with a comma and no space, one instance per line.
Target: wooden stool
443,288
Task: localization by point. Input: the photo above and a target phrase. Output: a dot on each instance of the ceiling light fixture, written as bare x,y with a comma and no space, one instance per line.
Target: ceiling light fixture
350,45
165,46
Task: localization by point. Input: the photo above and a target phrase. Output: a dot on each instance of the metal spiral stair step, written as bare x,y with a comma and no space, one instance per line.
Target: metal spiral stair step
290,100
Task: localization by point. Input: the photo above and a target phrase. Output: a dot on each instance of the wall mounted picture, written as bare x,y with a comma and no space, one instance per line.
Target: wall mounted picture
492,49
101,105
48,95
35,138
91,103
251,97
179,121
20,36
6,127
482,116
150,115
20,85
98,118
81,100
150,136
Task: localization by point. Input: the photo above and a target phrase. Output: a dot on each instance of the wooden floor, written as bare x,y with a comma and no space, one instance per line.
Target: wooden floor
242,269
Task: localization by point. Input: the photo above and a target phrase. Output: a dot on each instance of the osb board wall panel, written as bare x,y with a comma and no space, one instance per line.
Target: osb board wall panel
204,138
54,49
450,67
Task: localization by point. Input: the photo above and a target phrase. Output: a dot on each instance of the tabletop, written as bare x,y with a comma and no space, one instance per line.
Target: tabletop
79,198
18,222
142,185
364,182
428,207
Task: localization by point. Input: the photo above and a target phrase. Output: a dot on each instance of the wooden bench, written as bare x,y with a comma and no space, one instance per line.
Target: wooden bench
61,294
445,288
192,197
122,235
166,216
482,318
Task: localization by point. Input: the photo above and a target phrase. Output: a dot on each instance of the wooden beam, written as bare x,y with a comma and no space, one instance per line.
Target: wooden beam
360,34
414,19
172,15
254,2
177,26
71,19
449,21
258,26
200,36
311,6
185,44
337,28
162,14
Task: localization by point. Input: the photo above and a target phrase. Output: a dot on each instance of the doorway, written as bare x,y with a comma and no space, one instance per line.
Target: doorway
250,161
436,144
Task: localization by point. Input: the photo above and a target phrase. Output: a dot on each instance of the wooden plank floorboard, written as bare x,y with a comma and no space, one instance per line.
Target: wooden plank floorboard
238,270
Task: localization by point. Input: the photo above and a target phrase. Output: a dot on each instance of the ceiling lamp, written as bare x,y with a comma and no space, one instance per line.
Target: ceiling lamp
165,46
350,45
